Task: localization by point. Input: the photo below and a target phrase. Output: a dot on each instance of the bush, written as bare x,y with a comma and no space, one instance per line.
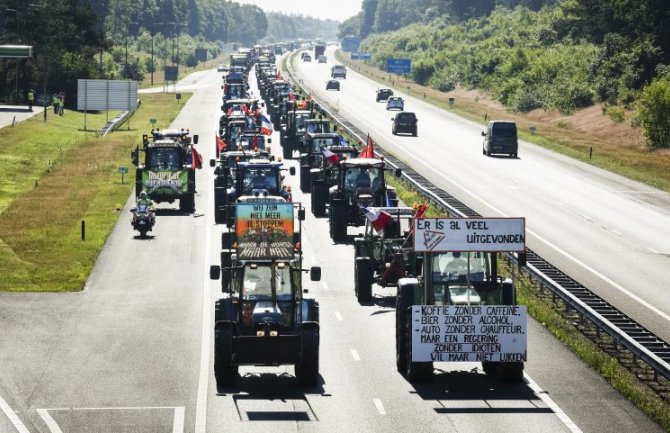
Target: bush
616,113
653,112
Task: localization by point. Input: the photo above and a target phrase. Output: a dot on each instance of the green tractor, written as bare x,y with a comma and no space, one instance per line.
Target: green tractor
167,171
459,309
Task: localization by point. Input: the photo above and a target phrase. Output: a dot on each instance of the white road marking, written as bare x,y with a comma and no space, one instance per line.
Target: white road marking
325,285
13,417
177,422
586,217
380,406
203,379
355,355
338,316
50,422
653,250
552,405
616,232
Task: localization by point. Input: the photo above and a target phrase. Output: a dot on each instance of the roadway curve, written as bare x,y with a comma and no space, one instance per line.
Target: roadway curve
607,232
133,351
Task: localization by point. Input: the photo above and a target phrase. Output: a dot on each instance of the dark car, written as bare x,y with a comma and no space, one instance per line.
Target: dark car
333,85
383,94
500,137
404,122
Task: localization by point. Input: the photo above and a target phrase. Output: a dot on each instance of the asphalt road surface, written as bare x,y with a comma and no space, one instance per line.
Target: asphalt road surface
133,351
607,232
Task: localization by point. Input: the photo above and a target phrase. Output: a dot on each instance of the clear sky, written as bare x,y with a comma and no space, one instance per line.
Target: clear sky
338,10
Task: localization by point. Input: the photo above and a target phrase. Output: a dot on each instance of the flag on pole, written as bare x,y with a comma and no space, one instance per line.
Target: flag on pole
378,218
196,158
266,125
368,150
220,144
331,157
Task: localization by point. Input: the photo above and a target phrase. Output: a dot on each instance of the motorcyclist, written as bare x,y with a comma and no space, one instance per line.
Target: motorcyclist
144,200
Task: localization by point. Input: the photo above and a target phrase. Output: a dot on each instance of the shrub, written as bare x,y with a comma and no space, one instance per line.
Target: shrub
653,112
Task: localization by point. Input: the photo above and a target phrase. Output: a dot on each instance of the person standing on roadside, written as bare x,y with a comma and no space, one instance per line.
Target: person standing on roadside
55,102
31,99
61,98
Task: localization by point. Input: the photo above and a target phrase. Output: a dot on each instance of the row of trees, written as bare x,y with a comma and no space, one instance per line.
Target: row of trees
541,54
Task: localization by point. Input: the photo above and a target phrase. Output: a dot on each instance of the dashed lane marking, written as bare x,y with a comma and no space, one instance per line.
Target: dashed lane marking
379,405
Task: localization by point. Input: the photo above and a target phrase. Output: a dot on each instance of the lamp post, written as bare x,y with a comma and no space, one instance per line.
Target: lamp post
18,35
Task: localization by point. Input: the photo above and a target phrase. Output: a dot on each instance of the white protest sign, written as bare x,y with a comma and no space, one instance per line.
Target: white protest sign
469,333
470,234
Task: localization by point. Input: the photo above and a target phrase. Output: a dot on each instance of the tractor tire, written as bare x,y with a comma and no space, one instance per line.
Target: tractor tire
187,203
138,183
227,240
416,372
319,196
363,279
305,180
307,370
510,372
338,223
287,149
404,299
224,371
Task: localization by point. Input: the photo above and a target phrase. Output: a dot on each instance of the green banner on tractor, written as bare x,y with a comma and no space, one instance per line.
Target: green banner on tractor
169,183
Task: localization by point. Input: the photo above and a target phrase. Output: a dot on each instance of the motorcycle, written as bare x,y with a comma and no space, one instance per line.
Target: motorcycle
143,219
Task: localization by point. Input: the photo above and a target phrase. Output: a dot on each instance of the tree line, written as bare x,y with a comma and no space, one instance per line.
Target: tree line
529,54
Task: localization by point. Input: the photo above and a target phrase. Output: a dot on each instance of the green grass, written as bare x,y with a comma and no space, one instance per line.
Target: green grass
54,177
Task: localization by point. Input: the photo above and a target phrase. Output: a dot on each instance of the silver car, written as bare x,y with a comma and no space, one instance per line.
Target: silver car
395,103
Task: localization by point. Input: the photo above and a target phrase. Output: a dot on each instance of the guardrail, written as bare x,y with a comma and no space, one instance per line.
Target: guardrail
641,342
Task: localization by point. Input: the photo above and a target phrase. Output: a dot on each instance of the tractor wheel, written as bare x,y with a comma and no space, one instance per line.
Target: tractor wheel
416,372
363,279
510,372
338,223
319,194
287,149
224,371
227,240
307,370
304,178
404,298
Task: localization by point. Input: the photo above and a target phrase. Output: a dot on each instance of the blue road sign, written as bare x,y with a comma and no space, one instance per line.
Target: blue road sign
399,66
355,55
351,43
365,56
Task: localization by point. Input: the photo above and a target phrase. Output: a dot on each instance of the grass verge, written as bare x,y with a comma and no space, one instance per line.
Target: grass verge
54,177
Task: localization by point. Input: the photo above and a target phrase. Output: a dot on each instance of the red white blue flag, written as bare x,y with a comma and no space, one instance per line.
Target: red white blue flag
331,157
378,218
266,126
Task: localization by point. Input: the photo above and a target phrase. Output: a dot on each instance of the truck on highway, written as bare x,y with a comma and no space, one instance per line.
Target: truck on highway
319,50
263,316
458,309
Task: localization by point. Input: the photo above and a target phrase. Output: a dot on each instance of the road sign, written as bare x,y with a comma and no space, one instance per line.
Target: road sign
171,73
399,66
470,234
16,51
123,170
152,121
351,44
355,55
201,54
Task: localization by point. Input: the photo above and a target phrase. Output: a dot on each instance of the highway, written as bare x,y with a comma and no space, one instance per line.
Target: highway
133,351
607,232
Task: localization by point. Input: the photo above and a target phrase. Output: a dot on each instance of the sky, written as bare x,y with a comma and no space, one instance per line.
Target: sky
338,10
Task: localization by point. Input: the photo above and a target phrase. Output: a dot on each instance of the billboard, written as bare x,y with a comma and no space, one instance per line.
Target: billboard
264,230
101,95
201,54
171,73
399,66
470,234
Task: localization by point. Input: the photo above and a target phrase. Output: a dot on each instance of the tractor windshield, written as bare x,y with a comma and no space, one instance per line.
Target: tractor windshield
259,280
260,178
455,276
163,158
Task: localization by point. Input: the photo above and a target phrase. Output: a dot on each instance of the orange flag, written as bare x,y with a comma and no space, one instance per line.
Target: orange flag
368,151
